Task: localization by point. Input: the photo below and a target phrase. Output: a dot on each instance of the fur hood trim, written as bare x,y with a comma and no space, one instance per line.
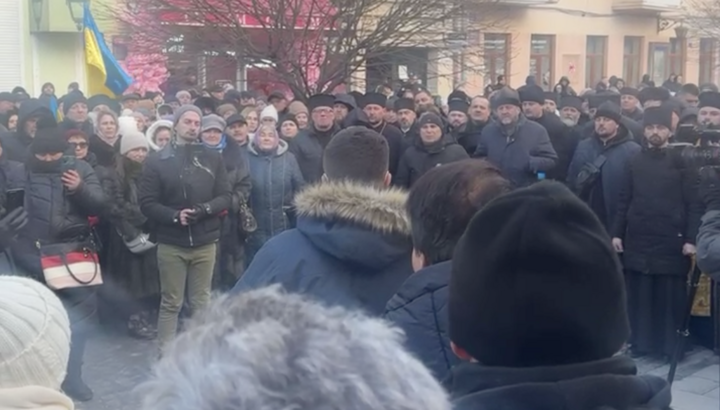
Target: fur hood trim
382,210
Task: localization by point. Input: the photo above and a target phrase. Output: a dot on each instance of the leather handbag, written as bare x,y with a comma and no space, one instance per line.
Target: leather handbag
70,265
248,223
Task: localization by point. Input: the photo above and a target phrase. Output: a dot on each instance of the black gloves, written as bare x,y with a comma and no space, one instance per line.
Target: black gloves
710,188
200,211
11,223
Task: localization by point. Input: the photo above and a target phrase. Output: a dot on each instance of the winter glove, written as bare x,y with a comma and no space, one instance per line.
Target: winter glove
200,211
11,223
710,188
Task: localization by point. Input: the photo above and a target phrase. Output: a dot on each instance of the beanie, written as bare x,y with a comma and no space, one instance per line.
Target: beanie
269,112
132,140
506,96
34,335
290,118
180,111
430,118
48,141
535,282
127,124
71,99
212,122
610,110
661,115
532,93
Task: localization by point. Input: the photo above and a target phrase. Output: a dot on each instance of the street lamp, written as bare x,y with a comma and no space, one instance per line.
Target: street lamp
76,11
37,9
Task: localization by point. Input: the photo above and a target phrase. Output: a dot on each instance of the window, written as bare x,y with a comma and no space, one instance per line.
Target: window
542,59
675,57
632,60
595,50
496,49
708,56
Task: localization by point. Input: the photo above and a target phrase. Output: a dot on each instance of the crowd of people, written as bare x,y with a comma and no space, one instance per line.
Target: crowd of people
367,246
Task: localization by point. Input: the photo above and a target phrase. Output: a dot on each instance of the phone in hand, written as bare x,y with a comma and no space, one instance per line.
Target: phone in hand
14,199
67,163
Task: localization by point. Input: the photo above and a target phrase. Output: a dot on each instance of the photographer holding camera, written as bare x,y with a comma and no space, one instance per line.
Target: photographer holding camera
708,240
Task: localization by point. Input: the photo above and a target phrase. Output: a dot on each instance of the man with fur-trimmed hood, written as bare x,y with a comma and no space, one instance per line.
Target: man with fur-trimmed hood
352,244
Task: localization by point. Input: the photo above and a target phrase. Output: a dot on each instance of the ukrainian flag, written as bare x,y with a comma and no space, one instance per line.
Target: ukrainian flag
104,74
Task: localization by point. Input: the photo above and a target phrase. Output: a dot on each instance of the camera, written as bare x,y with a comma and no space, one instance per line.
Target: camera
698,147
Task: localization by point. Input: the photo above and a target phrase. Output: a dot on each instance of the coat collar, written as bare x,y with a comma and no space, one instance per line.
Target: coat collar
382,210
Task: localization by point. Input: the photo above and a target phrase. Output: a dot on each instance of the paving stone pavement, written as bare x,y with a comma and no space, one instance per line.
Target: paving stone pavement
115,364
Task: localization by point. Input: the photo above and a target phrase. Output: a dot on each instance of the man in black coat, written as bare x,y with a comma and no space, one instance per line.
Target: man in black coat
308,146
440,206
373,105
655,227
183,191
461,129
407,121
536,325
533,100
630,104
433,149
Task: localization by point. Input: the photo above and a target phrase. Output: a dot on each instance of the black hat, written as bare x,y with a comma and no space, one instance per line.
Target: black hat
506,96
289,117
458,105
102,99
690,88
653,94
709,99
405,104
48,141
532,93
205,103
458,95
131,96
535,282
321,100
610,110
596,100
246,95
235,118
571,101
6,96
373,98
232,96
357,96
675,105
217,88
430,118
708,87
276,95
629,91
658,116
551,96
390,104
71,99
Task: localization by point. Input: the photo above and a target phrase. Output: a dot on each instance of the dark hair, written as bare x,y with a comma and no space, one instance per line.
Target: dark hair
74,86
691,89
357,154
442,202
165,110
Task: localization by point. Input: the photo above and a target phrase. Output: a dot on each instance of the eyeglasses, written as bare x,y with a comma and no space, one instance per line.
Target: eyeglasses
81,145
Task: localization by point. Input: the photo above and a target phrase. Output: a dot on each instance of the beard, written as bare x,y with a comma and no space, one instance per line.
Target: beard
656,141
568,121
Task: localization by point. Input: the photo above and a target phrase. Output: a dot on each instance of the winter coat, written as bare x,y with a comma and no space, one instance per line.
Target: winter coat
636,115
520,155
708,244
394,138
180,177
276,178
605,193
105,154
15,143
419,308
563,143
55,215
611,384
410,137
468,135
421,158
351,247
308,147
636,130
658,212
12,174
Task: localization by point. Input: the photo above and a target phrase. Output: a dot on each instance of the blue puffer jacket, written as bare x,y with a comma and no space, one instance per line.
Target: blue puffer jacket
420,309
276,178
351,248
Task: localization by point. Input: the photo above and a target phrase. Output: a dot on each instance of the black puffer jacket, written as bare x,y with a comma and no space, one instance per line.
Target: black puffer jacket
54,214
394,138
658,212
180,177
563,141
15,144
468,135
421,158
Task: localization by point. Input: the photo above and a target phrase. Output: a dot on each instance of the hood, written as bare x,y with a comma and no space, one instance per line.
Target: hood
281,148
150,133
32,108
346,99
427,280
611,383
34,398
355,118
359,223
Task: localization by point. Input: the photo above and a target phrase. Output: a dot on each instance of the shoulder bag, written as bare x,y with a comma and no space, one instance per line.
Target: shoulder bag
70,265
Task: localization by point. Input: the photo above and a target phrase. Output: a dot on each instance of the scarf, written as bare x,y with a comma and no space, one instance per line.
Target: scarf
34,398
219,147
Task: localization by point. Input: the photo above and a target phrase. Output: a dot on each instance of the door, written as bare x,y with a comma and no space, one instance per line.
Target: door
658,59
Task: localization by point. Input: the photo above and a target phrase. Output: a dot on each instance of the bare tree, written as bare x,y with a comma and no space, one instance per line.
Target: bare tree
311,45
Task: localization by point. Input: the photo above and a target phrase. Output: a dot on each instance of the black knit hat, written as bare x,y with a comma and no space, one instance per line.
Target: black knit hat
571,101
235,118
532,93
658,116
205,103
458,105
430,118
291,118
102,99
535,282
653,94
405,104
458,95
48,141
71,99
610,110
321,100
373,98
709,99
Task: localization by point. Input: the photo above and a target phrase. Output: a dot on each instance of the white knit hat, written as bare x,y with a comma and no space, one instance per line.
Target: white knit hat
126,125
269,112
34,335
132,140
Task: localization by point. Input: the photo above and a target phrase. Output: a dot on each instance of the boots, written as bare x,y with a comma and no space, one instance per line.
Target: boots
74,386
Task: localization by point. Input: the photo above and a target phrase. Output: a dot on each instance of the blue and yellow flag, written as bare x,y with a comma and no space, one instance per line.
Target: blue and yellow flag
104,73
